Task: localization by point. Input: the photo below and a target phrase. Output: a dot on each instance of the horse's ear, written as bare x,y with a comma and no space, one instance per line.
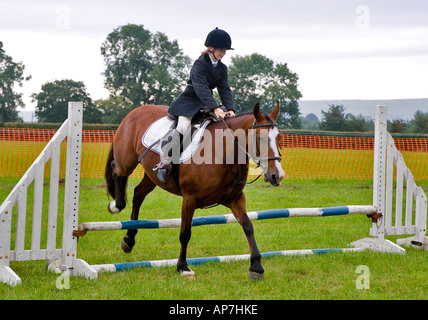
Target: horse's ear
275,112
257,114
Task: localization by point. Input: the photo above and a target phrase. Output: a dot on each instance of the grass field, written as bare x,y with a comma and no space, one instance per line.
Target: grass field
329,276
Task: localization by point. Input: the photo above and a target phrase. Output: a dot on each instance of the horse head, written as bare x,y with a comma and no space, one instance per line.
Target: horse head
265,144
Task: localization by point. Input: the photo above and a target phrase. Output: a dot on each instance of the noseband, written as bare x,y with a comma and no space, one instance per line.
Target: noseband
256,159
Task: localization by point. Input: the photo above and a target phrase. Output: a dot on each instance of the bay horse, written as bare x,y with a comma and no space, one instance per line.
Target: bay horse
200,185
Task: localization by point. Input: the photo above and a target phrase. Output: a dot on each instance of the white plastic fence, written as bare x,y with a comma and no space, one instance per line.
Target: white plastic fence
72,130
387,157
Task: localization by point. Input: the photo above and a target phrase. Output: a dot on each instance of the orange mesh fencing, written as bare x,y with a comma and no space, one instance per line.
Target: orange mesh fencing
20,147
310,156
304,155
350,156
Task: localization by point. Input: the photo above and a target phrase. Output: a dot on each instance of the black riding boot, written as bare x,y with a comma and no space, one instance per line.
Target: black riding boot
171,149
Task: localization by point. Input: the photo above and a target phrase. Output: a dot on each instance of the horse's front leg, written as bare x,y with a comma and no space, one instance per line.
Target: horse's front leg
187,211
238,208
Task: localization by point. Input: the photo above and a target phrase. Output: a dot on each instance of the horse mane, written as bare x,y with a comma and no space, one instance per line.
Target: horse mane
231,120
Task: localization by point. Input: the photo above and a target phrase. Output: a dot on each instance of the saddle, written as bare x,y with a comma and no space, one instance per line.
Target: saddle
161,129
204,114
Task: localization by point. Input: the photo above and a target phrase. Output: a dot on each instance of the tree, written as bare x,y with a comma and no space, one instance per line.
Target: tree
142,67
52,101
11,73
312,117
256,78
310,122
397,126
419,124
114,109
357,123
334,119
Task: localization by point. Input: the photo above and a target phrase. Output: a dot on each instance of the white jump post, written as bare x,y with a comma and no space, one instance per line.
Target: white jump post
395,226
72,129
386,156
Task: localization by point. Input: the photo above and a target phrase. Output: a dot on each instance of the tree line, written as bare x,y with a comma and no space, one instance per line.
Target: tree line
336,119
141,68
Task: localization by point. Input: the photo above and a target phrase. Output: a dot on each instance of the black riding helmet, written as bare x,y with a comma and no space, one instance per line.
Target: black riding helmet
219,39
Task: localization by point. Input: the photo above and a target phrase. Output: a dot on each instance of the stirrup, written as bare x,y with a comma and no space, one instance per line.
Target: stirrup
157,167
162,170
161,165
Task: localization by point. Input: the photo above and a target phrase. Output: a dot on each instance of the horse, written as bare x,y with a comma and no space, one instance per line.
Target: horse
200,185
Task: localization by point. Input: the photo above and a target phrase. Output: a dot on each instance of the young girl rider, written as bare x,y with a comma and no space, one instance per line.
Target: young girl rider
207,73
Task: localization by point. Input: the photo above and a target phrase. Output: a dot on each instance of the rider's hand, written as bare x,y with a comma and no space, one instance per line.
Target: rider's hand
230,113
219,113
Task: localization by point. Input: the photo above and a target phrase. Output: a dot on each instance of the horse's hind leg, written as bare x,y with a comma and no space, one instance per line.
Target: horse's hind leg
238,208
140,192
116,184
118,168
119,201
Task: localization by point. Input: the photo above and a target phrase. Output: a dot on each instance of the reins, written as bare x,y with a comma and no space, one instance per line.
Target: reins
256,160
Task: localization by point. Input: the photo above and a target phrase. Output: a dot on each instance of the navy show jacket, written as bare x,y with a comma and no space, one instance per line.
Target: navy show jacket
199,90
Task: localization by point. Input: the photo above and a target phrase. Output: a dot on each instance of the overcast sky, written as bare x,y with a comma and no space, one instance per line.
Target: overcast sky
340,49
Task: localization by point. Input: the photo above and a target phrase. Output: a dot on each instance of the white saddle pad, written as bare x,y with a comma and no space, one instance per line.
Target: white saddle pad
161,127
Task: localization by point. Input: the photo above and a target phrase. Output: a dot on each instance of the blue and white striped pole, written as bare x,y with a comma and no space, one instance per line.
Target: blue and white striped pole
228,218
195,261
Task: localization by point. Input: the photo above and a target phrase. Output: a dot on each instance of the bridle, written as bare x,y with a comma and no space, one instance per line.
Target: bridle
256,159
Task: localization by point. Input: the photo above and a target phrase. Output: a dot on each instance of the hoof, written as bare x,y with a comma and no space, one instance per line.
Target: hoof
112,207
125,247
256,276
188,274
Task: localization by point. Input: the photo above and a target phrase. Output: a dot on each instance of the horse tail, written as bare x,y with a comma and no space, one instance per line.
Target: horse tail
108,175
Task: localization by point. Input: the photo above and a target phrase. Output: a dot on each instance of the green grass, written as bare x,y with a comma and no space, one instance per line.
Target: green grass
329,276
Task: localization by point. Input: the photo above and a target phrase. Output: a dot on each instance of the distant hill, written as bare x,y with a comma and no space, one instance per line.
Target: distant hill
397,109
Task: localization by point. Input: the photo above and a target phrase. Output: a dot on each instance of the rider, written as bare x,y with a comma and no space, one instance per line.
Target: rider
207,73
